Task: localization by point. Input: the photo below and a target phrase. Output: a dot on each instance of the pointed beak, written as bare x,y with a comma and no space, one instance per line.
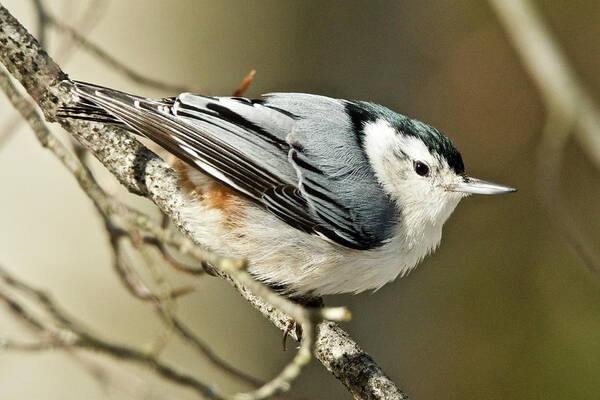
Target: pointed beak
479,186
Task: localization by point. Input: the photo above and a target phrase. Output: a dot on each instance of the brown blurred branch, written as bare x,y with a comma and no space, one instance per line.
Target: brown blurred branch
143,173
244,85
561,88
570,110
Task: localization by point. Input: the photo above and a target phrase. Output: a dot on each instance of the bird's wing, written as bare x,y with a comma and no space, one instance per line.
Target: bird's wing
334,174
249,145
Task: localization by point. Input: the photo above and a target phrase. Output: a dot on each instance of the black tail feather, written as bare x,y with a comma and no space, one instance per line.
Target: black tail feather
88,111
85,109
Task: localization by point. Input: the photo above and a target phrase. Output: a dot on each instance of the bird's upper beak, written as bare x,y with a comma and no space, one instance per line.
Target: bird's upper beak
479,186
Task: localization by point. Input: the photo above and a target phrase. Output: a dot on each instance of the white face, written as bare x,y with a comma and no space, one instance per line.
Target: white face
417,180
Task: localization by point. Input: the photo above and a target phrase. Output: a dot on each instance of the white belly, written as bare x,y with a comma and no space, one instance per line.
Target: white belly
303,263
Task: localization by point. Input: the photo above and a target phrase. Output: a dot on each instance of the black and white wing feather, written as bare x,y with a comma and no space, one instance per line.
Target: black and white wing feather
272,151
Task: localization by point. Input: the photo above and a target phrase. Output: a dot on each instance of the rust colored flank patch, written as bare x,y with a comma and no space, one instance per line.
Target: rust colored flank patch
215,195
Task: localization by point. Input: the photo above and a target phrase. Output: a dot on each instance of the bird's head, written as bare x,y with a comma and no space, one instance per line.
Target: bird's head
417,166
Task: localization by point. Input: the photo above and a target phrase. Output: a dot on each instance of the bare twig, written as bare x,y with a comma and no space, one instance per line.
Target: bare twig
42,21
82,338
84,25
244,84
188,269
16,345
138,289
115,64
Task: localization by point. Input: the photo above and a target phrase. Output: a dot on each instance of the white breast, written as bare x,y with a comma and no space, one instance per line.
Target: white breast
282,255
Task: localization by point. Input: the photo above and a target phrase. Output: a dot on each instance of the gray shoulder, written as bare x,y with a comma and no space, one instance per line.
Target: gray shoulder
320,121
335,174
303,104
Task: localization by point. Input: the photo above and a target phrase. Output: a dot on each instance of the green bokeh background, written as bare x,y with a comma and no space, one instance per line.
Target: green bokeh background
504,309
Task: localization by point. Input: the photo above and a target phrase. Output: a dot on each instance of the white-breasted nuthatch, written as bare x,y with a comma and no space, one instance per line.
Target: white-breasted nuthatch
321,195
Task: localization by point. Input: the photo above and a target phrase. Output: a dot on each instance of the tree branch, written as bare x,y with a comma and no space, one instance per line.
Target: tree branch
144,173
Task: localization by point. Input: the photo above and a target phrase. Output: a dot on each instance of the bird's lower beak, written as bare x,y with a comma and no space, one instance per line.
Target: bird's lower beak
479,186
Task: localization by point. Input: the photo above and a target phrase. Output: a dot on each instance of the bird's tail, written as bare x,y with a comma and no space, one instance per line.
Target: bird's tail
146,117
89,105
84,107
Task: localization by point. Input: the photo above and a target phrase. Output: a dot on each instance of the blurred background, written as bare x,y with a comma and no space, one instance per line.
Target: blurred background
504,309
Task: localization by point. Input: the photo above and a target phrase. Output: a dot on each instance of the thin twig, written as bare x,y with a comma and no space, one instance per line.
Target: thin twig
139,290
188,269
244,84
42,21
73,336
83,339
115,64
84,25
16,345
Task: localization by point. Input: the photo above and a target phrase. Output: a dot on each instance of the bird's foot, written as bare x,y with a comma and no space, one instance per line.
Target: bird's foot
291,325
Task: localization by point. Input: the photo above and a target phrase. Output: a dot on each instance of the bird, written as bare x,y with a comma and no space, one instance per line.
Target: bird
321,195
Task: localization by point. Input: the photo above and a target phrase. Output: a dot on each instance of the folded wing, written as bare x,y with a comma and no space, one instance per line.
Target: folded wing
268,150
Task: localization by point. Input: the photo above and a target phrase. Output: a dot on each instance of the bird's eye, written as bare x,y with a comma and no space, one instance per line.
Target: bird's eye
421,168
